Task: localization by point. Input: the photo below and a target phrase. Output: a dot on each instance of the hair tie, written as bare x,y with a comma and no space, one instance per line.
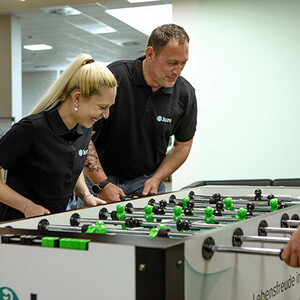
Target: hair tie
88,61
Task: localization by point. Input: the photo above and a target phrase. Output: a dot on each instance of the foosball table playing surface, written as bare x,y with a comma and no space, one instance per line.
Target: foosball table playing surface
209,242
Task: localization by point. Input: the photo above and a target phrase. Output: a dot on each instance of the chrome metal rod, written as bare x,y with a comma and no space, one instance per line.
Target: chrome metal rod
191,218
240,201
113,231
111,222
263,239
124,231
201,211
246,250
148,224
87,220
224,212
119,222
292,202
278,230
291,222
63,228
145,232
197,225
251,198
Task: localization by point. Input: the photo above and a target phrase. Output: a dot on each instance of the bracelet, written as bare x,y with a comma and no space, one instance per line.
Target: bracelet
86,197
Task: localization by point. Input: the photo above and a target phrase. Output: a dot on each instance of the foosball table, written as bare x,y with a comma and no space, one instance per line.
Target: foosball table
209,242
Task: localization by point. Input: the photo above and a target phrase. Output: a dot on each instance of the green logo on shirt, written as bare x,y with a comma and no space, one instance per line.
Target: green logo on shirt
8,294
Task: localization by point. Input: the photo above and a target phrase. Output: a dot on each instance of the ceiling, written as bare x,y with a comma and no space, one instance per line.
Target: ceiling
67,40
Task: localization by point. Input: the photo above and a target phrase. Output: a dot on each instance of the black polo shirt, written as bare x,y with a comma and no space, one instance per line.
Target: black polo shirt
44,160
134,139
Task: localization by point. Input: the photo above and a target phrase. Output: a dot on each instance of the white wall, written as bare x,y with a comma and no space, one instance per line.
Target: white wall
244,63
35,84
246,71
16,68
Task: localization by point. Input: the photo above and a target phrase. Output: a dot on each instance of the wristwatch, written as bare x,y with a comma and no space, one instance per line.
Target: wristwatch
98,187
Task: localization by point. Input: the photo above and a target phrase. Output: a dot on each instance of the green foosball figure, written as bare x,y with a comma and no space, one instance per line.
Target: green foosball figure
228,204
121,214
242,214
154,231
148,216
177,213
98,227
209,215
274,204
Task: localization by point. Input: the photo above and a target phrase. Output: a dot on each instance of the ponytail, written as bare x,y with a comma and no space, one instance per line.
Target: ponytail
84,74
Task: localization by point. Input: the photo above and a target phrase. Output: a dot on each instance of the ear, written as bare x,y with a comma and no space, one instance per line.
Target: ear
150,54
76,97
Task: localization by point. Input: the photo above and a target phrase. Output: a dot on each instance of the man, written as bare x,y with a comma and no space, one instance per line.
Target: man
153,103
291,253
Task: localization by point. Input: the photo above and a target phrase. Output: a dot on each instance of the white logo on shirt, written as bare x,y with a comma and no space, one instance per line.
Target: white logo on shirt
163,119
82,152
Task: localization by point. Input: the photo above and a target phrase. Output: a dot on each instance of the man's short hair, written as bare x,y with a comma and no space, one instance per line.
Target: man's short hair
161,35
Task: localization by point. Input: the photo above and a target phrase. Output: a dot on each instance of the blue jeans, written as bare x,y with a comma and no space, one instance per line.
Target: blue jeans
131,186
74,203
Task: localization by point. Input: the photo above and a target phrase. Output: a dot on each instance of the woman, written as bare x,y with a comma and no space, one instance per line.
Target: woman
45,152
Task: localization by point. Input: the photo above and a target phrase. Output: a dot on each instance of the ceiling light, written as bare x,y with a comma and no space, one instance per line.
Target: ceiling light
141,18
61,10
140,1
38,47
124,42
94,28
40,66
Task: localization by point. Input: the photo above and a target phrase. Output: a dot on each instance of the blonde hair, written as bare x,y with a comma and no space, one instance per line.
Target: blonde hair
84,74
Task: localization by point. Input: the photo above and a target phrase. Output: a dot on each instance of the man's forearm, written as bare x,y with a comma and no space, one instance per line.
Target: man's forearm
173,160
92,167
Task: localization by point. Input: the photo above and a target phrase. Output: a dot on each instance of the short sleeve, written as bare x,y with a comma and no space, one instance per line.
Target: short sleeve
187,127
16,143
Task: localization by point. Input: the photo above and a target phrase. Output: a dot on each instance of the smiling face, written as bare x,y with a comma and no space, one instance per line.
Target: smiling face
162,70
95,108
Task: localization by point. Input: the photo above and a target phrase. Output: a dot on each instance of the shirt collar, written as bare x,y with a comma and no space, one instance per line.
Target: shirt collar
138,76
58,126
